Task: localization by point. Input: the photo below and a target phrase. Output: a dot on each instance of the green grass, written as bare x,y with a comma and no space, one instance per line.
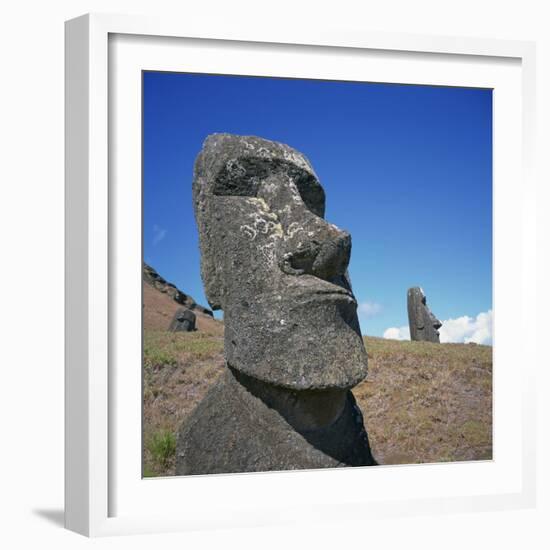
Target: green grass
148,472
162,447
162,348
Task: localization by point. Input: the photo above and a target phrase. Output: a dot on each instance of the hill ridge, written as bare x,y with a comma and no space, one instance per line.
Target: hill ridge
161,299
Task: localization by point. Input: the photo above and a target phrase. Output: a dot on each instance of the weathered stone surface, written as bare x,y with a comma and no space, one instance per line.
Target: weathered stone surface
292,340
275,266
423,324
233,430
183,321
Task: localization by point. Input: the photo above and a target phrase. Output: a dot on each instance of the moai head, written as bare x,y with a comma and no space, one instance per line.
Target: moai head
275,266
423,323
183,321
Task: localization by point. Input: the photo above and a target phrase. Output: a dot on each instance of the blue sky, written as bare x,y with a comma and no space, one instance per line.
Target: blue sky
407,170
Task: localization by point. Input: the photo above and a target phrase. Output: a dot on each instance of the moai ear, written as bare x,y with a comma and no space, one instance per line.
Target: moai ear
419,312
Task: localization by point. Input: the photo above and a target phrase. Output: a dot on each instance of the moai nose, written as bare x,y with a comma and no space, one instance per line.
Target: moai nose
326,255
310,244
436,323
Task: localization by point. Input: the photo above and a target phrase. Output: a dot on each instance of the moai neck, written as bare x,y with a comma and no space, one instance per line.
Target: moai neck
304,410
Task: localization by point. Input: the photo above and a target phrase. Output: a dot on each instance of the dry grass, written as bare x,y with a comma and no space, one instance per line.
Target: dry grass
159,309
178,369
426,402
422,402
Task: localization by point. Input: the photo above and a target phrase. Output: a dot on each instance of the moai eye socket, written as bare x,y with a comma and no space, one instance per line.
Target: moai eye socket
243,177
311,192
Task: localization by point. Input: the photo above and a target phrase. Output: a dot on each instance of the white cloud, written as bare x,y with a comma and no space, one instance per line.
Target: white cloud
158,234
462,330
394,333
369,309
467,329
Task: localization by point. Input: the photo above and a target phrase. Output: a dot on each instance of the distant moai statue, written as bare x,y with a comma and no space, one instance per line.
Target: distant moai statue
423,323
293,347
183,321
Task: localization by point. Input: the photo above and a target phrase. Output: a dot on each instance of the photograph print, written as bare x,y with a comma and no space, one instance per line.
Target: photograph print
317,274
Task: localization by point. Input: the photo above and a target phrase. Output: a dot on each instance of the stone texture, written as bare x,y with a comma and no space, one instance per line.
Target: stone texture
423,324
292,340
232,430
275,266
183,321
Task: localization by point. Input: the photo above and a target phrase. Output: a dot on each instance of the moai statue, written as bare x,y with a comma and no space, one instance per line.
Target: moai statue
423,323
183,321
292,346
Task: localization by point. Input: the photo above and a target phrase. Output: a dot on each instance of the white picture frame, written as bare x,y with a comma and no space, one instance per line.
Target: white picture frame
104,491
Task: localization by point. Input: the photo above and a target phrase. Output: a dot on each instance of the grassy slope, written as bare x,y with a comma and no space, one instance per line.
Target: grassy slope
159,309
426,402
422,402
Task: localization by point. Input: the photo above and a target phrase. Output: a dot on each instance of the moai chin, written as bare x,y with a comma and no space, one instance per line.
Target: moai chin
293,346
423,323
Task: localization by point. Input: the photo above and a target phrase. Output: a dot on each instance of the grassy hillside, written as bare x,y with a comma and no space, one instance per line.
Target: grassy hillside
159,309
421,402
